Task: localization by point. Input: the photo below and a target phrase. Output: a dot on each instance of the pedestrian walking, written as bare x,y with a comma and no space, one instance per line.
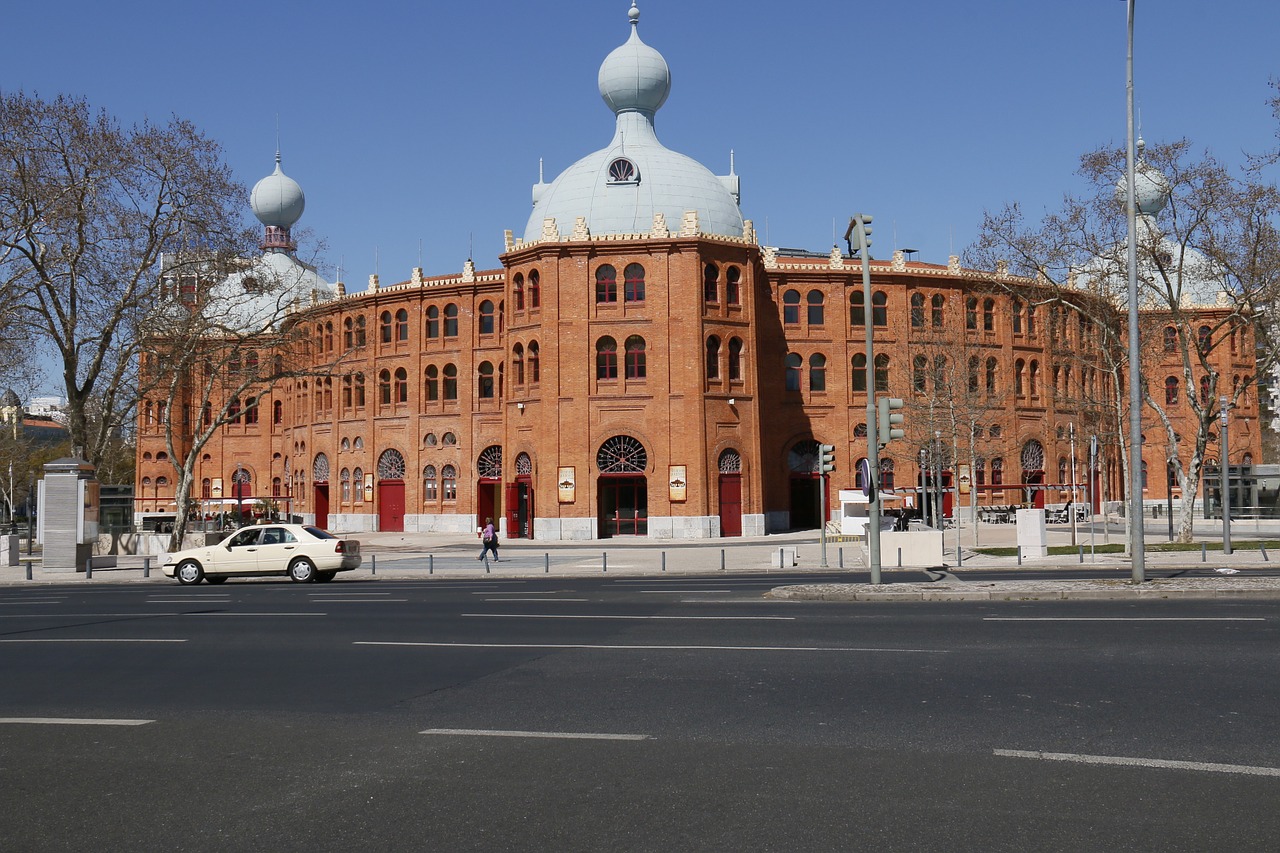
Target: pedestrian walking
489,542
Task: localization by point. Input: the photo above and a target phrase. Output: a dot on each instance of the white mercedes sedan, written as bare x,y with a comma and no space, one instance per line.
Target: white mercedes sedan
303,553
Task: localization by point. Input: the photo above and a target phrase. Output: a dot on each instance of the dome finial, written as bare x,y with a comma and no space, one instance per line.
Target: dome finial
634,13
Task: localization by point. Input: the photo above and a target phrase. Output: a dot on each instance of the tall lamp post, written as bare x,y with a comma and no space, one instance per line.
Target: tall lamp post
1136,553
239,495
858,238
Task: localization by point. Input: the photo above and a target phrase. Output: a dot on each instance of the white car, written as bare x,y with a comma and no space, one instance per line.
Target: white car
301,552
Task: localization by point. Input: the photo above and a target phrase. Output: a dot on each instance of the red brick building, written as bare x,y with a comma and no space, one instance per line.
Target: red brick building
640,364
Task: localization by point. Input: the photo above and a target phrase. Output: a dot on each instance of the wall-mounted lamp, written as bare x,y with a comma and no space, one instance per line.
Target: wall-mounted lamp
520,406
732,401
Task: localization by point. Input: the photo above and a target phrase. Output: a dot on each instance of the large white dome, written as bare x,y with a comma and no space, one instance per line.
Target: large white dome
619,189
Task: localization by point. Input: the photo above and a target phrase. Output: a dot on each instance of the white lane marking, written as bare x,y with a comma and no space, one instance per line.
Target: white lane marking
1124,619
502,733
26,601
1141,762
648,648
589,616
272,615
519,592
539,600
313,594
679,591
91,640
355,600
71,721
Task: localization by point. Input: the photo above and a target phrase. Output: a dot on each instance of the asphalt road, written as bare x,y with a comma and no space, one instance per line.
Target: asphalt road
629,714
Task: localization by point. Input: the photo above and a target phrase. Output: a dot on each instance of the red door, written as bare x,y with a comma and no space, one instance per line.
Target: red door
322,505
391,506
730,504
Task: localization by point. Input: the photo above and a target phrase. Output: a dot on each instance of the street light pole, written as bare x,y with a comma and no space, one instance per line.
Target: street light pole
858,231
1224,469
1136,553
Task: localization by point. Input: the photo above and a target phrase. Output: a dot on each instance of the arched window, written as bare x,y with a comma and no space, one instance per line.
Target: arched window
732,286
233,410
344,477
357,477
991,375
489,463
817,372
206,488
384,388
390,465
710,283
486,317
429,484
277,413
1031,319
919,374
402,325
791,307
348,334
534,363
793,365
735,359
450,382
622,454
517,364
936,304
1033,373
606,358
251,408
886,472
860,373
917,310
431,384
879,308
713,357
535,290
606,284
633,282
402,385
451,320
857,309
359,390
997,472
385,326
972,385
1204,338
1205,388
251,360
971,313
1064,475
1017,317
858,482
1019,368
988,315
360,331
517,292
1170,390
486,380
882,373
433,322
449,483
636,368
816,312
941,378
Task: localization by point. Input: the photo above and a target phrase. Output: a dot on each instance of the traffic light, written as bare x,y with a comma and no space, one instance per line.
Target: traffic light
858,234
887,420
826,458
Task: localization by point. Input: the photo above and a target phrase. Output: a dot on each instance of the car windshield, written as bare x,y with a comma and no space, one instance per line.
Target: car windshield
319,534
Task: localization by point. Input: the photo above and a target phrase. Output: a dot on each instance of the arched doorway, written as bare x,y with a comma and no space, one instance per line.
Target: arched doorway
624,491
489,473
1033,473
519,501
730,493
803,462
320,484
391,491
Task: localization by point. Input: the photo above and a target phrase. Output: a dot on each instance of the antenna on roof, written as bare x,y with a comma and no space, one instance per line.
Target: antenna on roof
731,161
540,170
375,260
419,253
471,245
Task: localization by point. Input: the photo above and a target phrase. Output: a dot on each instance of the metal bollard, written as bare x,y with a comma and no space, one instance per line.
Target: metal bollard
664,561
146,567
899,558
959,556
1204,552
486,566
28,563
431,564
88,568
1263,549
1019,555
840,557
546,563
1082,553
604,560
722,559
373,558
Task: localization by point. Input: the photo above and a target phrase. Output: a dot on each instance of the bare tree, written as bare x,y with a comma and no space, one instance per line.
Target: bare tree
1208,273
88,209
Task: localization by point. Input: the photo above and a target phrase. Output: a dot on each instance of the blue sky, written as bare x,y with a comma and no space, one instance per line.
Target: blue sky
422,123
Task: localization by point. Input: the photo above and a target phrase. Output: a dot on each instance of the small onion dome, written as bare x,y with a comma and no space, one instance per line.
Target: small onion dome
1153,187
634,76
277,200
9,399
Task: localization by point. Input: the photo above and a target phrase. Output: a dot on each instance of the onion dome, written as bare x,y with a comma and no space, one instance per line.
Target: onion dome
634,76
1153,188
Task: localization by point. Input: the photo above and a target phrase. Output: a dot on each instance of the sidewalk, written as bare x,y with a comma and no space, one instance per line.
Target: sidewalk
401,556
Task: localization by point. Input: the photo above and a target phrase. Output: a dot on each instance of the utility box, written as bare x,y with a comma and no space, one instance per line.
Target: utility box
1031,533
68,518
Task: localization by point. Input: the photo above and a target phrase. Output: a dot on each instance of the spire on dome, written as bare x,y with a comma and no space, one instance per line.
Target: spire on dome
277,201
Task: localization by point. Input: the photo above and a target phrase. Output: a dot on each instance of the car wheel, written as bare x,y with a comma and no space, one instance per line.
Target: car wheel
302,570
188,572
215,578
325,577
